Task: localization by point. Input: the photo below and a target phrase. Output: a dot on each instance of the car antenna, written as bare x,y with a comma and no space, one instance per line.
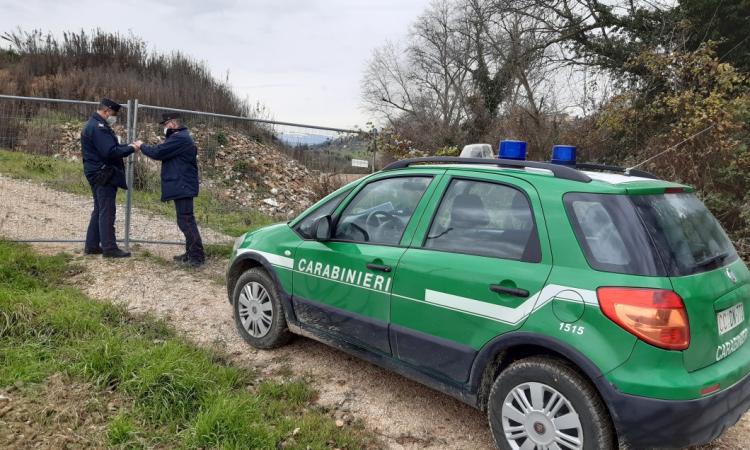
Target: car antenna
670,148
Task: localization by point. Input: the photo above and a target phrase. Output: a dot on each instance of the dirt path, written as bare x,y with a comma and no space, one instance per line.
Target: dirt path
404,413
31,211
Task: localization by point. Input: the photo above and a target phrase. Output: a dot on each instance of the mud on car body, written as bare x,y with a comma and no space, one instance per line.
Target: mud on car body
578,308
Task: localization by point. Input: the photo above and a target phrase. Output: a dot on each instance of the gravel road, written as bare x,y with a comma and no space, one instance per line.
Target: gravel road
31,211
405,414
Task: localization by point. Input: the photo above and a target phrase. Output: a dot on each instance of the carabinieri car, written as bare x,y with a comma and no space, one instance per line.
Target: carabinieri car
581,306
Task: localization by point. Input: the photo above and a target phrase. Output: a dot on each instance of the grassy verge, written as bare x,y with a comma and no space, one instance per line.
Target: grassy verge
67,176
173,394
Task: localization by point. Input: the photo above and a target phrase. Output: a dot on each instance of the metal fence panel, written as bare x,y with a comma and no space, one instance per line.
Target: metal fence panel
44,196
253,171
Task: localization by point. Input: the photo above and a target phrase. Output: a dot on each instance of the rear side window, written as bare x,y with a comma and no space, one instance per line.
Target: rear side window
611,234
486,219
687,236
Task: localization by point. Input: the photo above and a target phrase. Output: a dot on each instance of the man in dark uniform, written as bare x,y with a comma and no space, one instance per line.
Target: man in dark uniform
179,181
105,172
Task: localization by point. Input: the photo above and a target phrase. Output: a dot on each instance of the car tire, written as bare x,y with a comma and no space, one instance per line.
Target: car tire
560,407
258,310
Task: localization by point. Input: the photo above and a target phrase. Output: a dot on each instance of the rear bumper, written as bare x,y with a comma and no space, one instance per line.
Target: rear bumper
647,422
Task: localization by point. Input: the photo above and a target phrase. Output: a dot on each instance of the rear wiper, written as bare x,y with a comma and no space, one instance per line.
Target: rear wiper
711,260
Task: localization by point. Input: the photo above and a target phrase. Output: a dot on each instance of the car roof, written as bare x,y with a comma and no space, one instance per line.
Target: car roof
544,178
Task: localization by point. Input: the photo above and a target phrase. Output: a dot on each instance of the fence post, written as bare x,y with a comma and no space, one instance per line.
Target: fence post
129,173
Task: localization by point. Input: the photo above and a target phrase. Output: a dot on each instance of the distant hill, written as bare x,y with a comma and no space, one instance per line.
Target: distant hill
299,140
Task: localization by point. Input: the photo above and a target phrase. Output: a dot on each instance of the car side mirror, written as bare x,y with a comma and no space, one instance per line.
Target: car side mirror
323,228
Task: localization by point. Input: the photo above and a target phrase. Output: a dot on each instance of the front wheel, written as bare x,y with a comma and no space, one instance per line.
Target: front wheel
541,403
258,311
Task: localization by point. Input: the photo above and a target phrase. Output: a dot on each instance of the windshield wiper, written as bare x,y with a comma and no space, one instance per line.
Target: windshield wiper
711,260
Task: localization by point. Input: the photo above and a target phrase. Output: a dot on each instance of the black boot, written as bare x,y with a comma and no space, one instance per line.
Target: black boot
194,263
116,253
93,251
181,258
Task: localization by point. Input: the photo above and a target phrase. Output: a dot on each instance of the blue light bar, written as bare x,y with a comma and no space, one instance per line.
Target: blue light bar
512,150
564,155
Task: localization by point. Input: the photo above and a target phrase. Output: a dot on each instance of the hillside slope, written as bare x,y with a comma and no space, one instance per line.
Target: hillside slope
87,66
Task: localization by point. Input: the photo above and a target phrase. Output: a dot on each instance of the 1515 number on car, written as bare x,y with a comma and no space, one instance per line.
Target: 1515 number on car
573,329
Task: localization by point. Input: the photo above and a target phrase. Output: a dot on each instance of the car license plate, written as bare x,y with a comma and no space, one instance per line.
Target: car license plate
730,318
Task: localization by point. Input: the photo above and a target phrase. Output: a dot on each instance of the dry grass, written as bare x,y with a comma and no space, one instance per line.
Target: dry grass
75,65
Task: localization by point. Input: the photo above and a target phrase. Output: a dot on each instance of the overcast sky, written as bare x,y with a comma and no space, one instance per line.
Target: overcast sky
303,59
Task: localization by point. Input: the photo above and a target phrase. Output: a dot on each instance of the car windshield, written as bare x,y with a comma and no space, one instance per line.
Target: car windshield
654,235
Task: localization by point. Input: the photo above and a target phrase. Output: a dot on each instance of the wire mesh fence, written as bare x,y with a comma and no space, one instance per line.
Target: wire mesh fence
252,171
44,194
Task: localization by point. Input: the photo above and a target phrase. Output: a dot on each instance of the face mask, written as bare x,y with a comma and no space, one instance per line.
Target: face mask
111,120
165,131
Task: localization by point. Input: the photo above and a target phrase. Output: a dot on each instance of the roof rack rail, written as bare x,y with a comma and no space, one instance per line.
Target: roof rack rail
616,169
557,170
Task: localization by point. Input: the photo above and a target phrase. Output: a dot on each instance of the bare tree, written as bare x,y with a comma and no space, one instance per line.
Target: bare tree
426,82
471,66
386,86
511,70
605,34
438,58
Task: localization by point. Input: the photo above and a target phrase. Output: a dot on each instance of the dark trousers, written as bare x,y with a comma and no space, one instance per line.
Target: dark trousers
101,231
188,226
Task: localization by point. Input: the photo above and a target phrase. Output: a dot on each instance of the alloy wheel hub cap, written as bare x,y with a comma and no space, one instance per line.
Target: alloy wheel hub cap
537,416
255,309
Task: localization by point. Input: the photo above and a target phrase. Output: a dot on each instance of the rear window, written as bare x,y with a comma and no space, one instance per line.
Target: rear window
650,235
687,236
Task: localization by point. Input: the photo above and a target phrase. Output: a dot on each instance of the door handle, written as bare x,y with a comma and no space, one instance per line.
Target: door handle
516,292
379,267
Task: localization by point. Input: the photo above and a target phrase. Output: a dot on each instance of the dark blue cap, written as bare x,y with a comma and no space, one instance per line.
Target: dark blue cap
107,103
166,117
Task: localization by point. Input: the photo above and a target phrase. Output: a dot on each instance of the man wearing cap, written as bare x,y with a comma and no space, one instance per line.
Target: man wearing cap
105,172
179,181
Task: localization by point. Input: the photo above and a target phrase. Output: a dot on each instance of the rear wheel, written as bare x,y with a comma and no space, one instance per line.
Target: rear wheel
541,403
258,311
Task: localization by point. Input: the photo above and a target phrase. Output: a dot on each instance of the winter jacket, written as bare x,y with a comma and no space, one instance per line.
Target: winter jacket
100,148
179,164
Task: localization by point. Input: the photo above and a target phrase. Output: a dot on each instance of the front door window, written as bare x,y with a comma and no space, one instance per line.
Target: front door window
381,211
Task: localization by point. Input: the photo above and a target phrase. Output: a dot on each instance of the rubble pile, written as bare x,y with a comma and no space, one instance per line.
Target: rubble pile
58,139
237,166
255,174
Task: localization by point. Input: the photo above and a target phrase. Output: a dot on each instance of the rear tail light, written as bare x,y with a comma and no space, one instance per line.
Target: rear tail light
656,316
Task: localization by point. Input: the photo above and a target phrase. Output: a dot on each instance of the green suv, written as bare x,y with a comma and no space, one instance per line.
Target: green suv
579,306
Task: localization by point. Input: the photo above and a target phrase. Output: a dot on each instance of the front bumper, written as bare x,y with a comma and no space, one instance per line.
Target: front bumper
644,422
